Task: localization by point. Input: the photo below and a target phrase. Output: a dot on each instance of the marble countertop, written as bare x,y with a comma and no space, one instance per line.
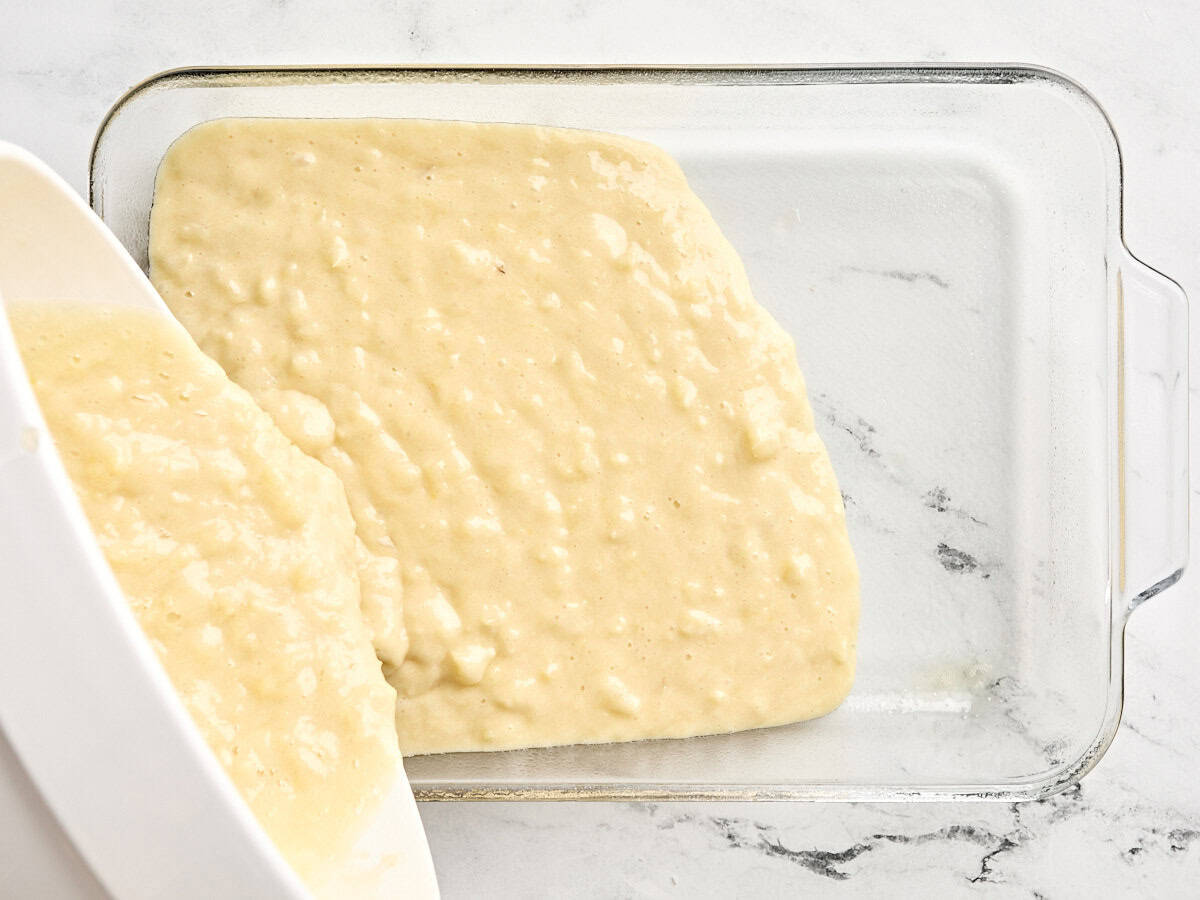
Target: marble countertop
1133,825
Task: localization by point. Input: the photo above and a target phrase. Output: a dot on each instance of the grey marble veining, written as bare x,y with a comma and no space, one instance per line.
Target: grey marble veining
1133,826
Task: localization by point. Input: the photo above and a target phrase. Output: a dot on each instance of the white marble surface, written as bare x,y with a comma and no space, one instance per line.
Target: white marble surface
1133,827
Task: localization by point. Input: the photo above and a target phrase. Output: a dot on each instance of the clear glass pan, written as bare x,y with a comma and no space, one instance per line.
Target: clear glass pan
1002,387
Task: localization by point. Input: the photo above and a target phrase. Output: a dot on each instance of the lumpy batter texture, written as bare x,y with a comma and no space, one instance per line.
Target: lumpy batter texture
536,365
238,556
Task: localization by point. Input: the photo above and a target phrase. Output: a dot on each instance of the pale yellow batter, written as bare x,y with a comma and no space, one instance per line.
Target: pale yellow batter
237,553
537,367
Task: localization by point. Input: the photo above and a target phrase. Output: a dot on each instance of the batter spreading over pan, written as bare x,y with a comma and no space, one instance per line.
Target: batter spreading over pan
536,366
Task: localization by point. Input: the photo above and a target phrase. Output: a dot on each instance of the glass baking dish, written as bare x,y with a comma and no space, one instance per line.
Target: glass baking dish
1001,385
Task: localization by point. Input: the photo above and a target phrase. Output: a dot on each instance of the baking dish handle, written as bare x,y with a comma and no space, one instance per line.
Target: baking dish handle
1152,395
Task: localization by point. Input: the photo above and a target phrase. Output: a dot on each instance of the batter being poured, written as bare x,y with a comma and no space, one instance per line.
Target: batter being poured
537,368
238,557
